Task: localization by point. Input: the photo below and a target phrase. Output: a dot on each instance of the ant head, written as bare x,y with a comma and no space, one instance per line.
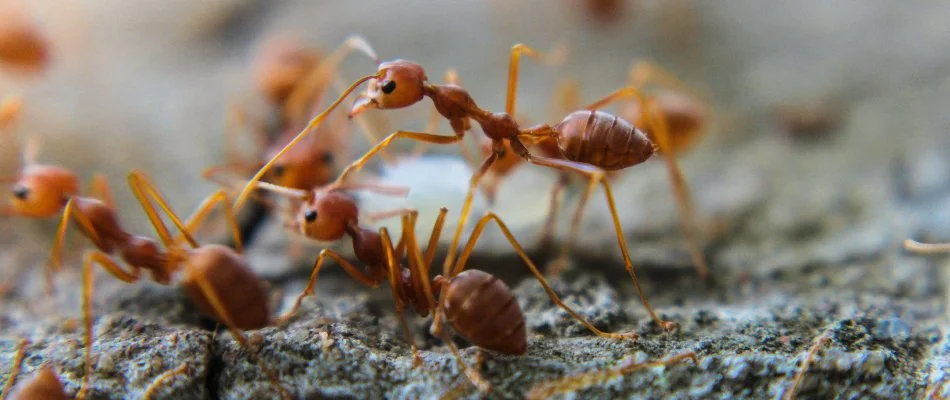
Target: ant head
326,217
302,167
397,84
42,191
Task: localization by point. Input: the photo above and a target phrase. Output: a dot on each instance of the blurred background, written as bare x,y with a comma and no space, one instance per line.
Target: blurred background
829,122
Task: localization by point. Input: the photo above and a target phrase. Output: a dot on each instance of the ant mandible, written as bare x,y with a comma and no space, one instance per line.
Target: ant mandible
44,384
217,279
591,142
465,298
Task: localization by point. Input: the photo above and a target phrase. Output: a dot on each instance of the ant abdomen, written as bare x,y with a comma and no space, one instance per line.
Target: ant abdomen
241,293
483,309
603,140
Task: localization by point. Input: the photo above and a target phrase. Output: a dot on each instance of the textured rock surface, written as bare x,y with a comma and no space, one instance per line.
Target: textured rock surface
803,236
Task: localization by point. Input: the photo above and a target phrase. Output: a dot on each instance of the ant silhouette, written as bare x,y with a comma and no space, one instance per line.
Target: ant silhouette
45,384
465,297
591,142
216,278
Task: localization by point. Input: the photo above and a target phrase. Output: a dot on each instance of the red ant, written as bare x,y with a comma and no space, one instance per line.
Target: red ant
22,45
466,298
217,279
671,114
44,384
590,142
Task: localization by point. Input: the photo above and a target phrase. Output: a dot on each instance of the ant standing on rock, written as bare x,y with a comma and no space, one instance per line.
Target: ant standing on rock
477,305
591,142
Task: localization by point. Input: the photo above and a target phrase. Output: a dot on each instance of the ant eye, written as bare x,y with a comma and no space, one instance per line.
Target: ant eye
389,86
21,192
279,170
327,157
310,215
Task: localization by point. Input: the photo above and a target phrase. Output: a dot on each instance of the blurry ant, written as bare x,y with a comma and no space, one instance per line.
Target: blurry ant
584,380
44,384
218,280
23,47
467,298
590,142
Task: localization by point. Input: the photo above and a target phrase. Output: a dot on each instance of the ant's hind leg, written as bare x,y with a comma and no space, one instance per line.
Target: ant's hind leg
926,248
15,370
161,379
580,381
467,251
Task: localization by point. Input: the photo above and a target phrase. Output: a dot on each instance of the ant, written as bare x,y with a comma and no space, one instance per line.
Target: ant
590,142
820,342
465,298
45,384
584,380
671,116
23,46
217,278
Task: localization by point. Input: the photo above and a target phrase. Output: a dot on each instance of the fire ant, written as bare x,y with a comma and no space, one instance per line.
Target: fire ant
217,279
45,384
590,142
671,117
465,298
22,45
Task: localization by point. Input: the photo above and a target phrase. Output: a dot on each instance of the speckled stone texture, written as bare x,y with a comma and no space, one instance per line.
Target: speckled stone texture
803,236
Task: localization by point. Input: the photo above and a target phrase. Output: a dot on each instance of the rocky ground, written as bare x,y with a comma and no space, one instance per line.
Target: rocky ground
803,235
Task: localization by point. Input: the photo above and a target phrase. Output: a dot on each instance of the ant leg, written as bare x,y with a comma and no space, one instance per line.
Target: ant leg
472,374
819,343
420,136
434,239
10,109
99,189
201,213
311,88
399,297
218,306
17,366
644,72
418,270
466,209
547,233
684,200
368,129
926,248
143,188
317,120
88,229
350,269
597,175
573,383
150,390
556,55
102,259
480,226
